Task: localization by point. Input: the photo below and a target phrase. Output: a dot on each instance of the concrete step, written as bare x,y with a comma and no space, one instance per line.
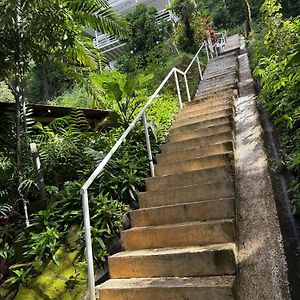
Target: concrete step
212,260
207,105
202,109
213,96
220,66
221,59
233,43
209,84
188,194
165,288
223,208
209,93
173,138
228,53
203,117
231,71
203,88
179,235
202,125
192,193
191,153
197,163
217,79
189,178
198,142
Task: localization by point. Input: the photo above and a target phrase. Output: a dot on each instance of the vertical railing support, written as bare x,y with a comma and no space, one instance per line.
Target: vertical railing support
88,244
38,170
199,68
178,89
187,88
216,50
206,50
150,158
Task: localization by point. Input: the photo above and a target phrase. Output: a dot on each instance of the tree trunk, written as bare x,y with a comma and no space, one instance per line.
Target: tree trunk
19,76
46,85
248,18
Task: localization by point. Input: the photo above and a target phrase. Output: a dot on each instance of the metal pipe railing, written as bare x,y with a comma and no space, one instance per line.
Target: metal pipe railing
100,167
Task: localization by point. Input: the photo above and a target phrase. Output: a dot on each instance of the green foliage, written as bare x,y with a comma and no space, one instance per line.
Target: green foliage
43,244
44,82
76,97
185,32
124,94
144,33
276,55
226,14
63,43
161,115
5,93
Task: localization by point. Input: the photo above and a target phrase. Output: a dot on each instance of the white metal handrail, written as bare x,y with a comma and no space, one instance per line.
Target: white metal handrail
100,167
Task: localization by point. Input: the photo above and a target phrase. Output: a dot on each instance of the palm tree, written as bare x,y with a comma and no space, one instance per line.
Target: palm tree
37,31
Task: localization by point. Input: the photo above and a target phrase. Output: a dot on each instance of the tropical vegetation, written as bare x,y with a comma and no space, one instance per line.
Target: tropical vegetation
47,57
276,55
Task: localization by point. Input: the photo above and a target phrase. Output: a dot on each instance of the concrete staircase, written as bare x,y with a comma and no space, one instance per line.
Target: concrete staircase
182,241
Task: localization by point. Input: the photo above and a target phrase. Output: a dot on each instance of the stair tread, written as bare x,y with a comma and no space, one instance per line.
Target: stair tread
186,187
209,118
200,157
183,204
205,114
169,282
188,144
199,112
179,225
202,124
193,164
197,133
175,250
186,154
185,173
211,209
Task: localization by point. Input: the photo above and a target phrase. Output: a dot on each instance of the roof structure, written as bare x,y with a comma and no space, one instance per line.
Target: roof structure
47,113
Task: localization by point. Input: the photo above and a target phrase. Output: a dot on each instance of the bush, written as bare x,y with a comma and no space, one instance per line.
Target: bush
144,34
277,56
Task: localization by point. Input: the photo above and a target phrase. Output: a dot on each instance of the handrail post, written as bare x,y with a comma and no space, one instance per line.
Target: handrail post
216,50
206,50
88,244
178,89
199,67
187,88
150,158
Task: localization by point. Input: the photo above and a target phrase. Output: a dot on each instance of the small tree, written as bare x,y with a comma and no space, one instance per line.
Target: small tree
185,9
144,33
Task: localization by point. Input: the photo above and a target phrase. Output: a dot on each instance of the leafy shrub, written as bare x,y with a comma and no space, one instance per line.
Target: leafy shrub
277,55
144,33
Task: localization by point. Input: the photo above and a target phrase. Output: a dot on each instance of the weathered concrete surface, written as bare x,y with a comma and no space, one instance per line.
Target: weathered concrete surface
170,288
209,260
262,263
232,43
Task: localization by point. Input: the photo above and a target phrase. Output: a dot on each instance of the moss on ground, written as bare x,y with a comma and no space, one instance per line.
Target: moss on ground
65,281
